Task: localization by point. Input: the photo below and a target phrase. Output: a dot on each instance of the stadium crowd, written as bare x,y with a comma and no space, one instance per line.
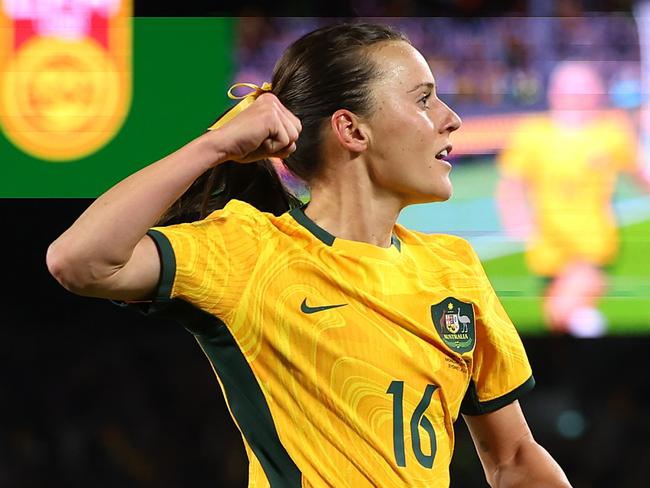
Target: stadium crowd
482,65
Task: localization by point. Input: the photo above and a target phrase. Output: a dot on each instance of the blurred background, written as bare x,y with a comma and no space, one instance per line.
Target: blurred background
551,185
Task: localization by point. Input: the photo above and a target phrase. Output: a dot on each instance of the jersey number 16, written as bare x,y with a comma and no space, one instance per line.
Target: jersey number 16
418,419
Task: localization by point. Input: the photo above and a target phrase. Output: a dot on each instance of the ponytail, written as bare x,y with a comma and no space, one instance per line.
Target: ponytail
256,183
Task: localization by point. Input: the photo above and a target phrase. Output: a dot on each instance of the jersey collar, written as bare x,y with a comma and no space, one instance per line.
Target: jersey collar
328,239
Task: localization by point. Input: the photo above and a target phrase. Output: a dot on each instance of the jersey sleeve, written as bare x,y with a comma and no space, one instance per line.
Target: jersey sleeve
501,372
206,263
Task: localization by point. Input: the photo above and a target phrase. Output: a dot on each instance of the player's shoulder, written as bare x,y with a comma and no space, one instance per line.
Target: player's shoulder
235,219
531,126
446,246
235,209
429,239
614,124
240,214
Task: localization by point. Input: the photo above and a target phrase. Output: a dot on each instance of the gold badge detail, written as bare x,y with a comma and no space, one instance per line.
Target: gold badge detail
65,75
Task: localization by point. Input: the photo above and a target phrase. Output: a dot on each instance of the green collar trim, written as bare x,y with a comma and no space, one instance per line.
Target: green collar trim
299,215
396,242
321,234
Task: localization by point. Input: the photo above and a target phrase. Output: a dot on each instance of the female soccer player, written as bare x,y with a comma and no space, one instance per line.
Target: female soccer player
345,344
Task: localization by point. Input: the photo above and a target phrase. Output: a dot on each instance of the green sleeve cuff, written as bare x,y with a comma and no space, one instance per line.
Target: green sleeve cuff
472,406
167,265
162,293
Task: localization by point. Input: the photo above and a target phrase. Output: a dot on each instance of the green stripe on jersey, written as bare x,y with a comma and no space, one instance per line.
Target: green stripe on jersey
243,394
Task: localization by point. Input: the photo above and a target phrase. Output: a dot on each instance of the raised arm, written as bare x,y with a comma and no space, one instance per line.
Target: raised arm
106,252
510,456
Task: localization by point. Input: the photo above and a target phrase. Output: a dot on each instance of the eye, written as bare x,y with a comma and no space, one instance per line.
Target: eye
424,100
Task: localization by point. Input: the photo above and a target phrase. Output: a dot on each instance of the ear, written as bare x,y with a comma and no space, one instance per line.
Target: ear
349,131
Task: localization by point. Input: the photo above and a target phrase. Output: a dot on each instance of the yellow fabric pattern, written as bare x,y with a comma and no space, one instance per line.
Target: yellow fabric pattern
342,341
571,176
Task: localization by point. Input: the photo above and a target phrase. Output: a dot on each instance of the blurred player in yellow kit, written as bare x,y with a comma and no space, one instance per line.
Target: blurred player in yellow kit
559,174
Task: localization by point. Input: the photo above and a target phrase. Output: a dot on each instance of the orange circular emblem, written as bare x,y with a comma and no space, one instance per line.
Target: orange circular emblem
62,98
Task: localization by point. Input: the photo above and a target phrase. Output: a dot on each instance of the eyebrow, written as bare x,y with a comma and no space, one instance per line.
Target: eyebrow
428,84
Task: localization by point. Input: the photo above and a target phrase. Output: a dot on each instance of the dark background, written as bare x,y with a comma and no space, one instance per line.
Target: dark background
93,395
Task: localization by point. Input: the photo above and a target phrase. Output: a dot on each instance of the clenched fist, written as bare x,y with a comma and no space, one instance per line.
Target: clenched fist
265,129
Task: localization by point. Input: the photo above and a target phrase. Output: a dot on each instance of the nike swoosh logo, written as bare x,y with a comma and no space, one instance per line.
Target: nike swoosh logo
304,308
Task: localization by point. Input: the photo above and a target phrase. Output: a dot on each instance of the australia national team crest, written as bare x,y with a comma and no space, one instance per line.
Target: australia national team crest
454,321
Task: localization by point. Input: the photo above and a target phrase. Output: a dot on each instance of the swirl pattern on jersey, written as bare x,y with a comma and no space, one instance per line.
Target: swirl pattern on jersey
362,394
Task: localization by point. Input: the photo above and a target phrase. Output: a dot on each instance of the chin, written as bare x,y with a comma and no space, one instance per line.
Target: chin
442,194
441,198
439,195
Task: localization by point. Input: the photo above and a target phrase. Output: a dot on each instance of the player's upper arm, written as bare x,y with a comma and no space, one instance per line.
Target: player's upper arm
135,280
139,277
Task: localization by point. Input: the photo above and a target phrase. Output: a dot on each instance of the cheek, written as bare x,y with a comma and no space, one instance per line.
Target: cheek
410,160
411,141
405,138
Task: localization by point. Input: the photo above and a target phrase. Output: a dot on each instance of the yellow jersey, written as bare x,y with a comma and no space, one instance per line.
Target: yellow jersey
571,177
343,364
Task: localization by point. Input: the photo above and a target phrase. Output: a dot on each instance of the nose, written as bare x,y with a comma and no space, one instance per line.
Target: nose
452,121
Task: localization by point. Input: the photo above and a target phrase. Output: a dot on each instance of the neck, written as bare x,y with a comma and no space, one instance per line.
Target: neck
349,207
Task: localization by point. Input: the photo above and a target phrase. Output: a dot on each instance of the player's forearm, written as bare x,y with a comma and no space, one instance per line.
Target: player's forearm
531,467
104,236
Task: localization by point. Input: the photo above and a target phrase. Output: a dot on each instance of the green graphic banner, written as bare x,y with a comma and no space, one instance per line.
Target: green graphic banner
182,68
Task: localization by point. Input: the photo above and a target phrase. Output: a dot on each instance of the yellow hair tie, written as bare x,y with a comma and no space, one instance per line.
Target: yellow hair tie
246,100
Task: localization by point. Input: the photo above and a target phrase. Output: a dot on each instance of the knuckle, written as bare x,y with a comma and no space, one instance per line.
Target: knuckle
268,145
267,97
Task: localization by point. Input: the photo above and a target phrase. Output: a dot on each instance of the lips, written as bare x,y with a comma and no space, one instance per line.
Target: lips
444,152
